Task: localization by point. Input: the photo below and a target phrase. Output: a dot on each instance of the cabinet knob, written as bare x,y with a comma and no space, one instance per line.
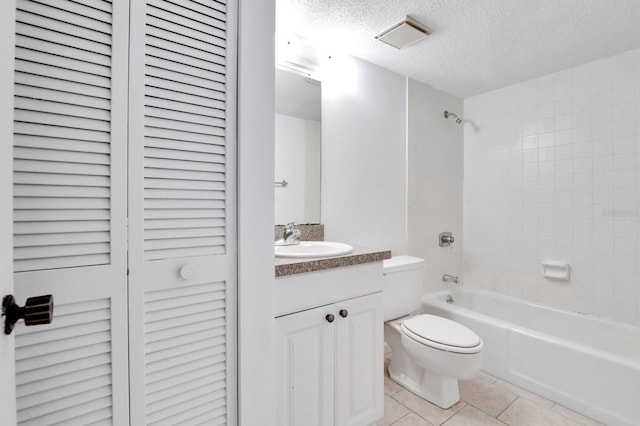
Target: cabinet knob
188,271
330,317
344,313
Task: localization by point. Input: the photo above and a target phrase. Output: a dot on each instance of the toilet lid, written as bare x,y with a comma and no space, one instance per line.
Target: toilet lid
442,330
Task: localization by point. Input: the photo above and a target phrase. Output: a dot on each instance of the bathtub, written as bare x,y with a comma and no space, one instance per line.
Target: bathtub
589,365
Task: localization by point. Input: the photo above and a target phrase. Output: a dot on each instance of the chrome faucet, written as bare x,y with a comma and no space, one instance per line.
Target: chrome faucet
450,279
291,235
445,239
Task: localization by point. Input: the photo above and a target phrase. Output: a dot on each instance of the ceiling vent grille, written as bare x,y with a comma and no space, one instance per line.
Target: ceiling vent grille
403,34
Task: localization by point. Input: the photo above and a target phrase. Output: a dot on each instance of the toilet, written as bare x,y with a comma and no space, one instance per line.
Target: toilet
428,353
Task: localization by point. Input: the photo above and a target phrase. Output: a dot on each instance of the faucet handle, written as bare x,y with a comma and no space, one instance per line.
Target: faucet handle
291,233
445,239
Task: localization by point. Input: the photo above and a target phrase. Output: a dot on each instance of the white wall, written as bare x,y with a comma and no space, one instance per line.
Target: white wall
364,155
552,172
256,99
434,205
297,161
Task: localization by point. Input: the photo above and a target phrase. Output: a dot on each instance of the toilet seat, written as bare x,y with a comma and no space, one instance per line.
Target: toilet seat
441,333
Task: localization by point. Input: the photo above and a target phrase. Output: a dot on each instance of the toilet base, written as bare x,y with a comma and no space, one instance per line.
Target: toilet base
430,373
439,390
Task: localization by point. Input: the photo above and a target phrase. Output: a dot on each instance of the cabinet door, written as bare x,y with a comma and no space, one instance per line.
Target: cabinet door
359,363
305,360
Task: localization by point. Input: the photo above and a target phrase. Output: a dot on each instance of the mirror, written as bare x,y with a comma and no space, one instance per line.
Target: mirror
297,148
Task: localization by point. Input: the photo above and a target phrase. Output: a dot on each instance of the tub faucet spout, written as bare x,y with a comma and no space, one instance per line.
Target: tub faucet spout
450,279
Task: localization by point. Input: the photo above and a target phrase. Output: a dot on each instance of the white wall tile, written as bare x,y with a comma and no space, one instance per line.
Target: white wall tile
603,146
602,130
563,137
582,103
582,121
581,149
567,186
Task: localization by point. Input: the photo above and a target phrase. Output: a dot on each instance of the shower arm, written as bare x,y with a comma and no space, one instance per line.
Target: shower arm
453,115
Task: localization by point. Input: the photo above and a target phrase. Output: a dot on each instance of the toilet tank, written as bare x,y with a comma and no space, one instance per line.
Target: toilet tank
402,286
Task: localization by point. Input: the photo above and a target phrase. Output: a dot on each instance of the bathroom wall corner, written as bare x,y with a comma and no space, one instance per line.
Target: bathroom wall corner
434,181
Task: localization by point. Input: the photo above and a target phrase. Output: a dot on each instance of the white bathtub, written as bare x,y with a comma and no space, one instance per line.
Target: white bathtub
589,365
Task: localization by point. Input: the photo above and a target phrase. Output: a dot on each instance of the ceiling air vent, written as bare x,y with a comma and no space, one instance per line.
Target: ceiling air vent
403,33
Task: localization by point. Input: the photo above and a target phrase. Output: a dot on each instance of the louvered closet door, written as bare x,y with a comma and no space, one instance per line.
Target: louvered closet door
70,209
182,213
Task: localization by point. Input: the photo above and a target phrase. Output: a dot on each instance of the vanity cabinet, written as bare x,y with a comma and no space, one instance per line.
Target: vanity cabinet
329,364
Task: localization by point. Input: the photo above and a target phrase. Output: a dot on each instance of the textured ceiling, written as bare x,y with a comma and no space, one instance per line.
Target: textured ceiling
476,45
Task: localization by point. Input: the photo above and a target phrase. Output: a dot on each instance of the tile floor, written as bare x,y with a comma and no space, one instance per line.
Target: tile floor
485,401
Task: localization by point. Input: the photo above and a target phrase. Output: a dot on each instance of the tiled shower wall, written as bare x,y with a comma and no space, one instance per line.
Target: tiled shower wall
551,172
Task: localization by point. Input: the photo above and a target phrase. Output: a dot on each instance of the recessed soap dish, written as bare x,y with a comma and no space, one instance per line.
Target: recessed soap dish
556,269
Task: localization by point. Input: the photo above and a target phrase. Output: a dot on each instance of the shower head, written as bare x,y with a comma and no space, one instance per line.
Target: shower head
448,114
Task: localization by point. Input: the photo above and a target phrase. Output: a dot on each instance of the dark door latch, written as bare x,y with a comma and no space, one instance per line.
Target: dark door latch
37,310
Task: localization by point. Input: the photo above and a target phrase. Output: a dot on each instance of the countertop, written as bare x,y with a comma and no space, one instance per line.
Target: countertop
290,266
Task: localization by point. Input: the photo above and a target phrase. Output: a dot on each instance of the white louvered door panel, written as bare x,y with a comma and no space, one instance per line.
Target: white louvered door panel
7,342
182,253
70,147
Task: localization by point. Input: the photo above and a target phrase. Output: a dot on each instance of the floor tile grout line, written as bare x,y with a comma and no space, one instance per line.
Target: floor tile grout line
527,397
417,414
510,404
400,402
394,393
402,416
516,395
474,407
398,391
485,412
446,421
571,418
478,408
507,424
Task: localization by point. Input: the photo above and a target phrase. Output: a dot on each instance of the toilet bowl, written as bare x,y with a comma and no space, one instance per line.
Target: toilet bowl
429,354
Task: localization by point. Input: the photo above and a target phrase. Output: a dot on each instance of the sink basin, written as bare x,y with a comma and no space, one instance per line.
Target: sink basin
313,249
